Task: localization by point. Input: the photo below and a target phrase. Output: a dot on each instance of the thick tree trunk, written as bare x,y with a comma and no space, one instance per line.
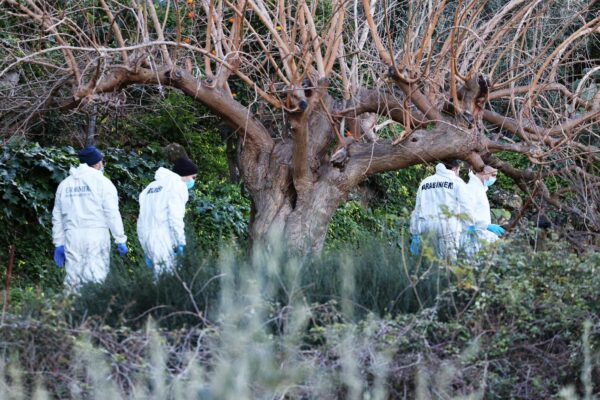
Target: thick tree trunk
300,226
281,215
306,227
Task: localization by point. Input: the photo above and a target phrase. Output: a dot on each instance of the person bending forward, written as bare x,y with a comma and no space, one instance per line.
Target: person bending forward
482,231
442,211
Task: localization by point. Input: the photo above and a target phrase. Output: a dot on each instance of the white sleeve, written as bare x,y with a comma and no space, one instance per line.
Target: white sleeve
478,218
110,206
140,221
58,230
465,198
176,212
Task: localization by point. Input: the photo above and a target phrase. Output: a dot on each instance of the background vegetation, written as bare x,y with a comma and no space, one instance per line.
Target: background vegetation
365,320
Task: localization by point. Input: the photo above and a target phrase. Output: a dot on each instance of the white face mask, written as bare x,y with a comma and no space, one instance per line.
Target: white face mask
490,181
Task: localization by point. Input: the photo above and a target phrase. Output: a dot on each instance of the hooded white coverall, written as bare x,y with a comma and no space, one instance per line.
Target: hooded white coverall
85,209
480,207
160,224
442,211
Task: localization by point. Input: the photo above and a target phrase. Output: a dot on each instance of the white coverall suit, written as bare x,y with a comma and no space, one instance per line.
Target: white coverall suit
85,209
480,208
160,224
442,212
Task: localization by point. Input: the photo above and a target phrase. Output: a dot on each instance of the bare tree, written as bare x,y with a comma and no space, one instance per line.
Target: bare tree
465,79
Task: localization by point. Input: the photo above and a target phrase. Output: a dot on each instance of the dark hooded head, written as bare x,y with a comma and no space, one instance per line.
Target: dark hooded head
184,167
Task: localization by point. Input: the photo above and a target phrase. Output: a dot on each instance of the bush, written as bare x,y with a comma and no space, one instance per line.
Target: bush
219,214
372,278
510,326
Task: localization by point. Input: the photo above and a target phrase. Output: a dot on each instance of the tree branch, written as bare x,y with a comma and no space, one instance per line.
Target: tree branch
159,33
498,94
116,30
43,19
382,103
422,146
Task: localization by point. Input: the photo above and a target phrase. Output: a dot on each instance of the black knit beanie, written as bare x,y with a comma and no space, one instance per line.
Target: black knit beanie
451,163
184,167
90,156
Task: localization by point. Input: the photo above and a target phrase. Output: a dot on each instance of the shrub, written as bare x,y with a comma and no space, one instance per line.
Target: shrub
509,327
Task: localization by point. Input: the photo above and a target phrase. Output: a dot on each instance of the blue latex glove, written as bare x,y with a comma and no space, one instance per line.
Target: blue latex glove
497,229
179,249
472,234
148,261
59,256
122,249
415,245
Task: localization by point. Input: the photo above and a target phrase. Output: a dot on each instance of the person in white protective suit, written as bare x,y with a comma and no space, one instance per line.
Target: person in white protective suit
442,211
160,223
482,231
86,208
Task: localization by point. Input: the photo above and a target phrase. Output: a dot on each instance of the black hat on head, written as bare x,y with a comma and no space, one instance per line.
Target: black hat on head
184,167
451,163
90,156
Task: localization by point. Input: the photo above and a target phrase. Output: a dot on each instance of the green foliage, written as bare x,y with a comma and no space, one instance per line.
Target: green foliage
532,302
385,281
400,187
177,119
390,131
29,175
132,171
517,160
218,213
385,278
393,197
351,223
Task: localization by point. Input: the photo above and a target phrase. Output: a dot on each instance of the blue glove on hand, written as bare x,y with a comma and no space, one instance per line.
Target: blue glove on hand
472,234
122,249
497,229
148,261
179,249
415,245
59,256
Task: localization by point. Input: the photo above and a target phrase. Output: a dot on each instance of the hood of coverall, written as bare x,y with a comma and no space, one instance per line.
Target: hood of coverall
82,170
85,172
440,169
163,173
